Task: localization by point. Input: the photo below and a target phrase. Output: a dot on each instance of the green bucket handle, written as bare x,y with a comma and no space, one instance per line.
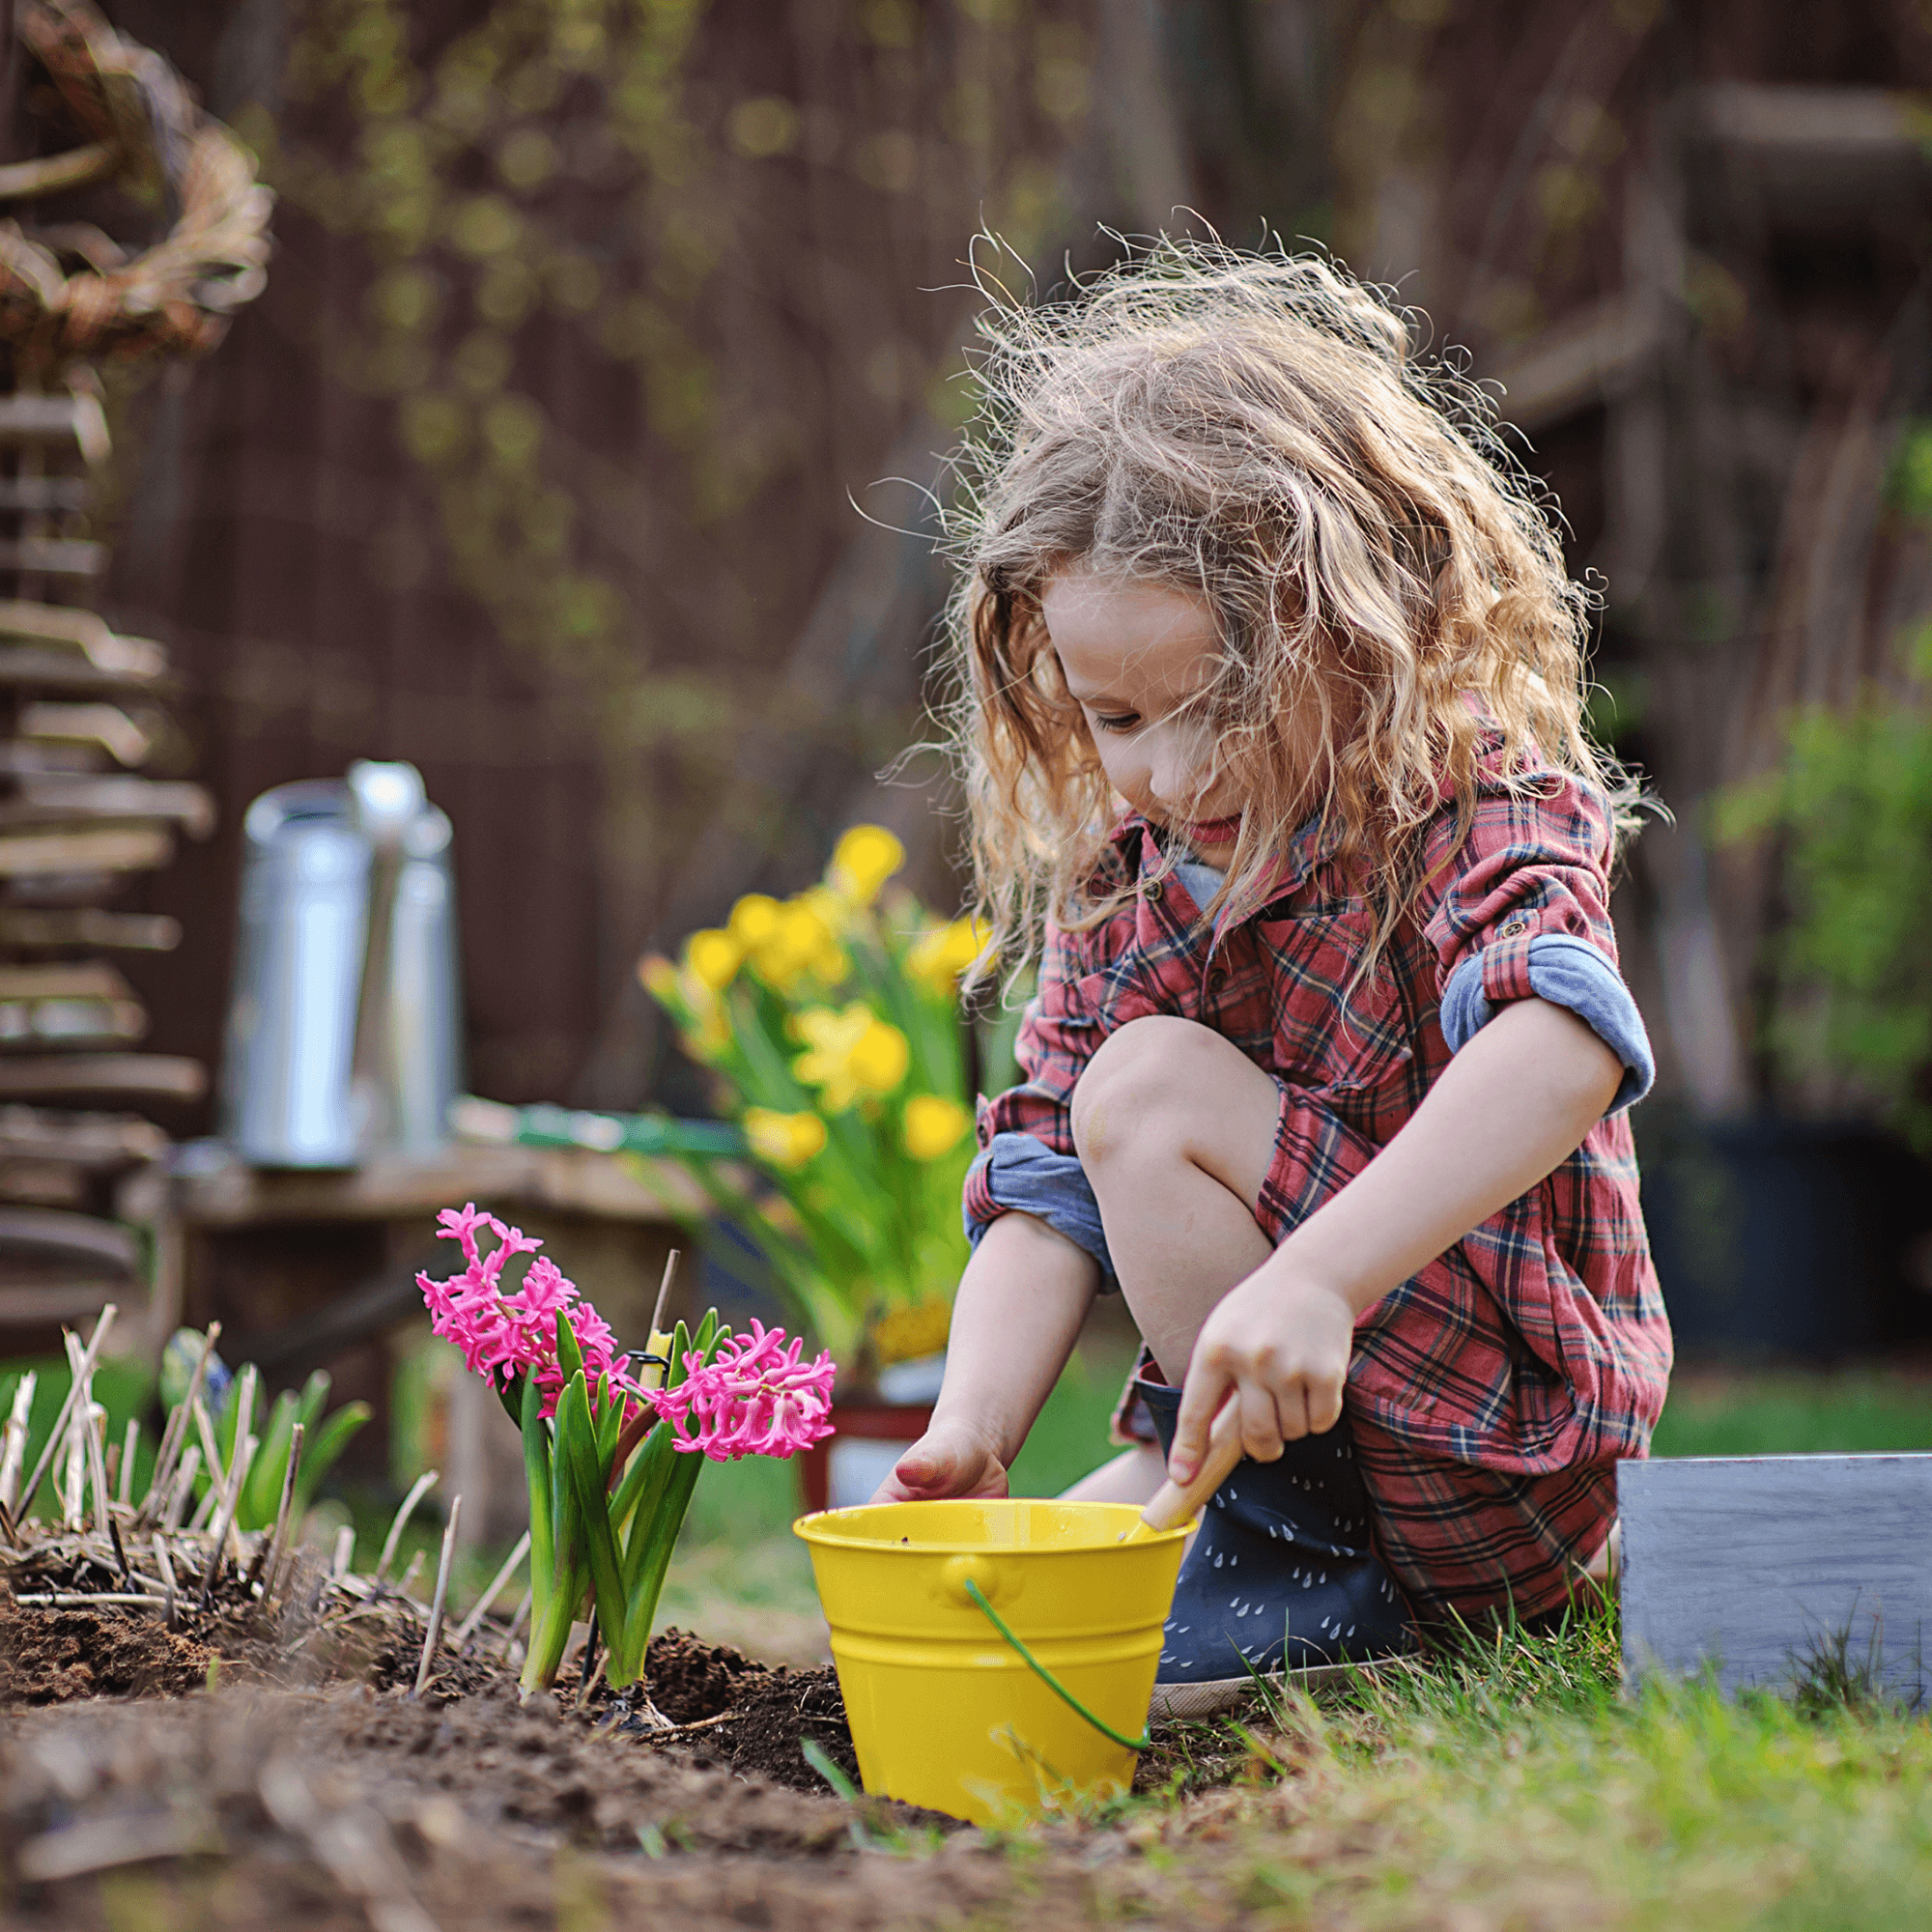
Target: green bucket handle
1140,1744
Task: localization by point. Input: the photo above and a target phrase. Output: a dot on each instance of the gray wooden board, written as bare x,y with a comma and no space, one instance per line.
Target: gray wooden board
1758,1564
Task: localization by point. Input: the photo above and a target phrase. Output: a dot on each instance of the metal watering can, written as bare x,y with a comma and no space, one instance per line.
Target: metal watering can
345,1027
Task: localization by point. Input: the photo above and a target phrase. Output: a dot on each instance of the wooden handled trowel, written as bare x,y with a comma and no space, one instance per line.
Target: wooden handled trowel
1172,1503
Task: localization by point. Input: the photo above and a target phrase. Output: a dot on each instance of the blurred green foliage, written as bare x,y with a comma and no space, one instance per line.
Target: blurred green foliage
128,1391
323,1439
1851,804
546,203
445,181
124,1388
1618,703
1909,485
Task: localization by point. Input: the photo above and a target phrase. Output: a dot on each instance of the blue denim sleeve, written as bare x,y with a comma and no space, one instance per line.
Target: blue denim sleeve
1567,973
1028,1177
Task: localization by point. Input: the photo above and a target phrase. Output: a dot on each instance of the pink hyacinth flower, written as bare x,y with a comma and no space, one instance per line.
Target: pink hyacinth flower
754,1397
504,1335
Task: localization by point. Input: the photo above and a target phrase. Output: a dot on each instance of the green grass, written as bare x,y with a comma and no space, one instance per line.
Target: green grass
1774,1413
1512,1784
740,1572
738,1553
1071,1436
1746,1413
738,1550
1516,1785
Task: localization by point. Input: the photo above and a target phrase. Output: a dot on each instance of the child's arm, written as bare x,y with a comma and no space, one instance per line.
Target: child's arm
1021,1301
1512,1105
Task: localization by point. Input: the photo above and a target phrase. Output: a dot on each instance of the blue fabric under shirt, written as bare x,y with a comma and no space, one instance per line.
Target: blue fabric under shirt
1568,973
1201,880
1027,1174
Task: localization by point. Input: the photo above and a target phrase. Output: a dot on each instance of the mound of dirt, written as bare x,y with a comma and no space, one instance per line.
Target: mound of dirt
58,1656
124,1801
764,1734
306,1804
691,1680
731,1713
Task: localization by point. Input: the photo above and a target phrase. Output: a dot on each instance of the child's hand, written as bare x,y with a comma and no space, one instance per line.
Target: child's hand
1283,1348
948,1461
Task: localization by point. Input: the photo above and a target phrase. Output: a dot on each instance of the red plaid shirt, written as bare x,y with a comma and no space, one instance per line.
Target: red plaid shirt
1491,1393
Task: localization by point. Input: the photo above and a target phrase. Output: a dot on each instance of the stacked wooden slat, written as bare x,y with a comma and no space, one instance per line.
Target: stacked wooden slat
80,716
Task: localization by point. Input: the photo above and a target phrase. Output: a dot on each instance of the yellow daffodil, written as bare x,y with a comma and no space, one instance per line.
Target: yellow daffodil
903,1334
850,1053
837,914
879,1061
802,943
938,957
865,858
713,957
934,1125
785,942
703,1024
786,1141
754,920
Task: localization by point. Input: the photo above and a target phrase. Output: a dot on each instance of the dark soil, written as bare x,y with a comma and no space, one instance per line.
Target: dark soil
507,1763
692,1680
764,1733
133,1795
731,1712
346,1809
54,1656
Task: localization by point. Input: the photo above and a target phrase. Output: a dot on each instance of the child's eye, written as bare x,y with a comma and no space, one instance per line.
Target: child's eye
1125,721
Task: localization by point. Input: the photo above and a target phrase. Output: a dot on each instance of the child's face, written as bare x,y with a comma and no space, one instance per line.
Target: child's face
1135,654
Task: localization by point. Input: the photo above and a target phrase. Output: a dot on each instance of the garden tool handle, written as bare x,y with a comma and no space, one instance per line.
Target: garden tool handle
1173,1502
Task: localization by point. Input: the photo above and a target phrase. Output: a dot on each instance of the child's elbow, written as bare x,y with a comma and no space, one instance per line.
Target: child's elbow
1587,1071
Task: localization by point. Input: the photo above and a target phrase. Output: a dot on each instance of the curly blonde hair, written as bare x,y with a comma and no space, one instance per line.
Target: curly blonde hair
1256,429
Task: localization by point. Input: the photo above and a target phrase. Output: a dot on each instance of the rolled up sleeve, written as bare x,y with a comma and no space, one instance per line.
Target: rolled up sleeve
1026,1161
1570,974
1523,912
1020,1175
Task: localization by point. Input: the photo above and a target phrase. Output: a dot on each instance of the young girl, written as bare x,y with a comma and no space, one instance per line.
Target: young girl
1272,721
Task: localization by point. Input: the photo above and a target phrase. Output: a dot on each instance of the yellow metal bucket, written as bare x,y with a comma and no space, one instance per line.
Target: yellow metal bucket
945,1708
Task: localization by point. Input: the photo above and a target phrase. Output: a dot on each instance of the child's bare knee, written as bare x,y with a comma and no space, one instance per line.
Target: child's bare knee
1132,1096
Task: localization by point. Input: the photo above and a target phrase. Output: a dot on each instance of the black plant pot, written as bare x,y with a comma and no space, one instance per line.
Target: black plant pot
1786,1239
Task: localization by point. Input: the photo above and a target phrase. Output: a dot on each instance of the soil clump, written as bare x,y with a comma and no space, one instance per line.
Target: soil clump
691,1680
763,1732
58,1656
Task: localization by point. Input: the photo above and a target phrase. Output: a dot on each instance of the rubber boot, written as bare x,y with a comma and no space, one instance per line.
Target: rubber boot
1282,1575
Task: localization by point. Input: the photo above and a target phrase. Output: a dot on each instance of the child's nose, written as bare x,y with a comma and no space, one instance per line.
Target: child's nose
1175,769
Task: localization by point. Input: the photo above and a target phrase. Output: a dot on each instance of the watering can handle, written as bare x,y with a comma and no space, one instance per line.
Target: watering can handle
1172,1503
